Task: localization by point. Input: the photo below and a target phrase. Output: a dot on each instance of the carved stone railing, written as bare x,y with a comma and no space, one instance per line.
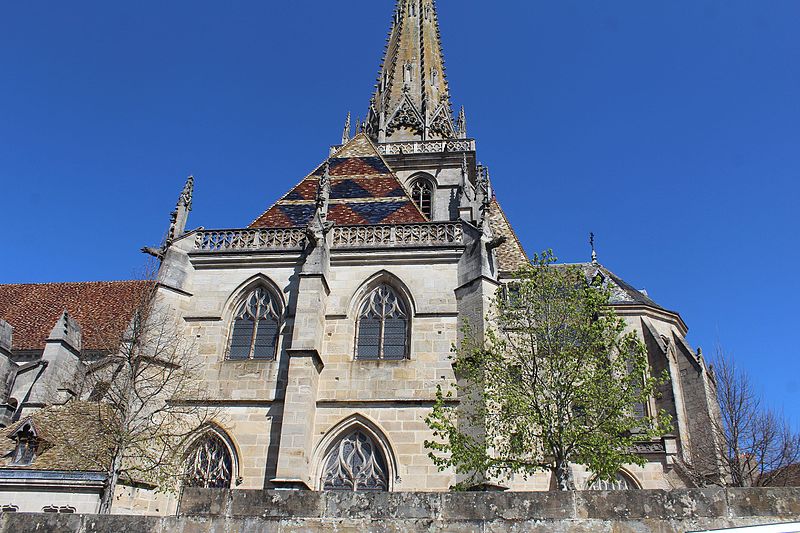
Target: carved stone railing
427,147
250,239
431,234
291,239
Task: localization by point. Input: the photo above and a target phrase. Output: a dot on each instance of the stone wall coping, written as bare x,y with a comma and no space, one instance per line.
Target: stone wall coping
604,505
258,511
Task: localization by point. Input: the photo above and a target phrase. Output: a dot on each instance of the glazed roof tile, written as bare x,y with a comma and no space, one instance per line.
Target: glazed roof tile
364,190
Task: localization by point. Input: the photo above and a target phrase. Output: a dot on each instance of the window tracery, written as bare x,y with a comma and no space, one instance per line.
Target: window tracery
422,194
382,326
355,464
621,482
210,465
255,327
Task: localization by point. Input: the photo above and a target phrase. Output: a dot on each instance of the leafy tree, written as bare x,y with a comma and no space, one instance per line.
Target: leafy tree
555,380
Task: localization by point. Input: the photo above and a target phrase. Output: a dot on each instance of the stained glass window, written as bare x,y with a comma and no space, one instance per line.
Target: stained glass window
422,194
209,465
382,326
255,327
355,464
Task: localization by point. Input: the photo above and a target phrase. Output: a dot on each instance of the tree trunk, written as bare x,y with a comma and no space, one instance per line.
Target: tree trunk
110,487
563,475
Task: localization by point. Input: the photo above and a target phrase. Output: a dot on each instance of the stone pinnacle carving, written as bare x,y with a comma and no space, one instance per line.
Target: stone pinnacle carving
347,128
412,98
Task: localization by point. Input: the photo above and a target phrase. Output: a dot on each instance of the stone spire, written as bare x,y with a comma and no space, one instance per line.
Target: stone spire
412,99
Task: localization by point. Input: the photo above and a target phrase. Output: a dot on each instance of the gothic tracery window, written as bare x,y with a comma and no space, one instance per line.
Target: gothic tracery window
210,465
255,327
355,464
382,326
620,482
422,194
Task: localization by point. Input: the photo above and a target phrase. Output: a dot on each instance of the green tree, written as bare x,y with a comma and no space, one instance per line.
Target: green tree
556,379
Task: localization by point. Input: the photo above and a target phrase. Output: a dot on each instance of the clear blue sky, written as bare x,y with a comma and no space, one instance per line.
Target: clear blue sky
670,129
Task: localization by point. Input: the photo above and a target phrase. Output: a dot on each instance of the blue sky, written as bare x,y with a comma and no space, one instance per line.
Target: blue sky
670,129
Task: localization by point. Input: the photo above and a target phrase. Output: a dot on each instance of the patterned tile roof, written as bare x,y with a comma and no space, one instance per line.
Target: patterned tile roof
364,190
511,255
103,310
72,437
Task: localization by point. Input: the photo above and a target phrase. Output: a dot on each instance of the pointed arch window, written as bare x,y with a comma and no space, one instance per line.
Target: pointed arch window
255,327
355,463
620,482
382,326
209,465
422,194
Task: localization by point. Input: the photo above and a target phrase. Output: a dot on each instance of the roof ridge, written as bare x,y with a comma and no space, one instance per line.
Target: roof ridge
97,282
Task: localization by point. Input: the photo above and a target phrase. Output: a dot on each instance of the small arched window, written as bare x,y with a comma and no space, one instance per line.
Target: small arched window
422,194
209,465
382,326
255,327
621,482
355,464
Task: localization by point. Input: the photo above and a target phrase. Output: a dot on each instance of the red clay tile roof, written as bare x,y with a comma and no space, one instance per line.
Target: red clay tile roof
364,190
103,310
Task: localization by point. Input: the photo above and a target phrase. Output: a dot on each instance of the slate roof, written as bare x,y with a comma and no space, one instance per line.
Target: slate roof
102,309
622,292
364,190
71,438
511,255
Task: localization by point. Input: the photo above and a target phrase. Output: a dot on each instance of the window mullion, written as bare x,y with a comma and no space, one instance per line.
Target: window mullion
255,332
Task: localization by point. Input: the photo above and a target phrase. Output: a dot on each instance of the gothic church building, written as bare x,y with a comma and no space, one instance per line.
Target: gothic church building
325,326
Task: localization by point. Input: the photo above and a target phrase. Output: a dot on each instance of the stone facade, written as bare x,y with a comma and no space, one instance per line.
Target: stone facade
356,224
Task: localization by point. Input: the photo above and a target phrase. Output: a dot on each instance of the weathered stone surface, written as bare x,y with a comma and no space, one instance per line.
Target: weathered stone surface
41,523
660,504
276,504
405,505
508,505
118,523
783,502
255,511
204,502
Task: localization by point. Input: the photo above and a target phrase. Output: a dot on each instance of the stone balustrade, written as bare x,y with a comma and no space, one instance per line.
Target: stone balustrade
345,237
236,240
427,147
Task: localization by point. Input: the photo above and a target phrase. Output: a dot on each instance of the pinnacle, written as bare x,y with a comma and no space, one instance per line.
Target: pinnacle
412,75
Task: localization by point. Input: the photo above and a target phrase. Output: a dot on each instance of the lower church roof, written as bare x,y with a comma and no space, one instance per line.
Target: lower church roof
102,309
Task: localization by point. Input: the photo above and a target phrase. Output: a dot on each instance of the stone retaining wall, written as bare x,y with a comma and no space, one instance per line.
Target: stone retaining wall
243,511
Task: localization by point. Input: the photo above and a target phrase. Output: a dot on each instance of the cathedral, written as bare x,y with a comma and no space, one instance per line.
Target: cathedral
324,327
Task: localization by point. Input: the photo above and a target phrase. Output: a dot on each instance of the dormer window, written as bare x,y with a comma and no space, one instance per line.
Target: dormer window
27,442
